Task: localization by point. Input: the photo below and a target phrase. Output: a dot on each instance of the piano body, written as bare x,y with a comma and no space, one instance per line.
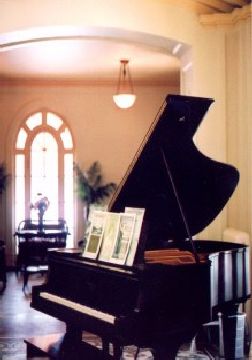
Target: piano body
176,284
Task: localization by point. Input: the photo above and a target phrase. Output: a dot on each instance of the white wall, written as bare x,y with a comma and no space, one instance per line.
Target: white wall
239,116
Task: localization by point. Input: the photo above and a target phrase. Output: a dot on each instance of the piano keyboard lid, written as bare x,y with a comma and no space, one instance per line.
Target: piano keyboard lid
181,189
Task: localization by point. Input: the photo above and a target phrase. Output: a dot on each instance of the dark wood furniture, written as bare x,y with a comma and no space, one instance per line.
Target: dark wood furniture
55,347
2,267
176,284
34,242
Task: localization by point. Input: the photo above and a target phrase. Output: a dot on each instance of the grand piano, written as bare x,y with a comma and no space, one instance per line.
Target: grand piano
176,283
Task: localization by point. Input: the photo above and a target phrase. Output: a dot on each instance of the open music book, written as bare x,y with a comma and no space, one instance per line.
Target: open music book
95,234
113,237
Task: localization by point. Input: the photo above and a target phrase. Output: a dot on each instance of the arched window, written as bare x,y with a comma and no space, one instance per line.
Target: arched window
44,165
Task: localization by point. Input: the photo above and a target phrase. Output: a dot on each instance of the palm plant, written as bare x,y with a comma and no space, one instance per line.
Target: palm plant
3,178
90,184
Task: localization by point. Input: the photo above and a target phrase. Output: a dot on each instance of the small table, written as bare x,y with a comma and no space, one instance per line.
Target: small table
33,245
2,267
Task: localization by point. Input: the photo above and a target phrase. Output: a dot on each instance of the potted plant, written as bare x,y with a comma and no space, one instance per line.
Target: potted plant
90,186
3,178
41,205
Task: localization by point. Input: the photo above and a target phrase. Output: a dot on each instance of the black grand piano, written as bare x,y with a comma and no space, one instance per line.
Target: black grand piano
176,284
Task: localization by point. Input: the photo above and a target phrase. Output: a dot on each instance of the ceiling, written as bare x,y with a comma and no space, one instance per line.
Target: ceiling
87,60
96,59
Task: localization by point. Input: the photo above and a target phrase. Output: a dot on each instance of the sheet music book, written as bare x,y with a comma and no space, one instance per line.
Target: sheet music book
139,212
123,240
95,235
92,209
113,237
111,229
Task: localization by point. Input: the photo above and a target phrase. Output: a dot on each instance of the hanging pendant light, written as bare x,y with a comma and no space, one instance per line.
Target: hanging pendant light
124,97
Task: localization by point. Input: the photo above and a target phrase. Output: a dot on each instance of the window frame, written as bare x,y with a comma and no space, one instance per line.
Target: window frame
26,151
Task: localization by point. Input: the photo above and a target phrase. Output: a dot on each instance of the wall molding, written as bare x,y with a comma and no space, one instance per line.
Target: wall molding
75,82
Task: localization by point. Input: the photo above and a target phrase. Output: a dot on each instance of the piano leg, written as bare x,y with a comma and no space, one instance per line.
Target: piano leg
70,342
26,276
105,345
73,334
166,352
73,343
137,352
117,351
74,348
167,346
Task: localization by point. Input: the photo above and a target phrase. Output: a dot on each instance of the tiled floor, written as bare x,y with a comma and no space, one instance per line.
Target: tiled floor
18,319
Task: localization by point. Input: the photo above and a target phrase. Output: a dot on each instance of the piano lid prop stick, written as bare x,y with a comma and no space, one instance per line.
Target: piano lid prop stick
180,207
137,155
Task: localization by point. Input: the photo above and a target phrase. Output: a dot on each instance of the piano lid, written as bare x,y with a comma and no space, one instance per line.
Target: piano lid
181,189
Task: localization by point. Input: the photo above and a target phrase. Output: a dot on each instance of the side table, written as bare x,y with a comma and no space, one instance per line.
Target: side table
2,267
